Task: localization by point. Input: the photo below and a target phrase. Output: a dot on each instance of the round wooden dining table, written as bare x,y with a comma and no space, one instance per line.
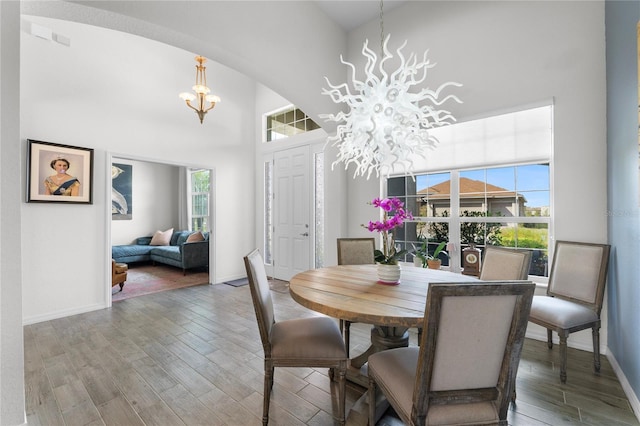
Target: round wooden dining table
353,293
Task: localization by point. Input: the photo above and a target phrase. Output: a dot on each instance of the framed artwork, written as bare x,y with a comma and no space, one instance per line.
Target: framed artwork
59,173
121,199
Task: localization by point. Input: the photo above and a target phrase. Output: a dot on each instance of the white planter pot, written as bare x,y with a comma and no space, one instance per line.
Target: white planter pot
389,274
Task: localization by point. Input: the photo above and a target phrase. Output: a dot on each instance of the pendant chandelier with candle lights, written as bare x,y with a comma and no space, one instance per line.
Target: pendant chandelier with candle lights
204,101
389,115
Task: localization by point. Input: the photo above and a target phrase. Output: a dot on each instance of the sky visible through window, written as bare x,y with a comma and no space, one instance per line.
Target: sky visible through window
532,181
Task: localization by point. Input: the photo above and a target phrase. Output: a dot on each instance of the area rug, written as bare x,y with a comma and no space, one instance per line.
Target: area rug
144,278
238,283
275,284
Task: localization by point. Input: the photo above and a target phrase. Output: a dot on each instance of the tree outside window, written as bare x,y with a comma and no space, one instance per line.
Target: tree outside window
200,187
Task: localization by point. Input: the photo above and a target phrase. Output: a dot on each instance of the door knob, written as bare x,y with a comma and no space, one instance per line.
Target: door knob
305,234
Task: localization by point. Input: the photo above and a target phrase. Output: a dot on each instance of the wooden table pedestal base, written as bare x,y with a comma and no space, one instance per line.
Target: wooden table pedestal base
382,338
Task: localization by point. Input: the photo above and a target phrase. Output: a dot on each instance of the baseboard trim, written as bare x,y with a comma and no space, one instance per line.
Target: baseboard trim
626,386
61,314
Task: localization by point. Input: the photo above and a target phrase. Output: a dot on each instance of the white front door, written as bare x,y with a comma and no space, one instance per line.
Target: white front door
292,240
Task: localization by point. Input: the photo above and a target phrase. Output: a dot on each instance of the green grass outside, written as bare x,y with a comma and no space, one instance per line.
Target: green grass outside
526,237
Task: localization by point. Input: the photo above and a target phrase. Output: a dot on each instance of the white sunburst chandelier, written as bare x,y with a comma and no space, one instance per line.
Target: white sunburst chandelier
389,115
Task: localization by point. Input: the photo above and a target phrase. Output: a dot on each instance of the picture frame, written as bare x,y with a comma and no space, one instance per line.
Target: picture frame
58,173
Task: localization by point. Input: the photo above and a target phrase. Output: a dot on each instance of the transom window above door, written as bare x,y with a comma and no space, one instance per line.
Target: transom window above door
287,122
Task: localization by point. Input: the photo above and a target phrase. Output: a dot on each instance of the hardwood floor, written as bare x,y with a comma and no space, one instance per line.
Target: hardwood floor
193,356
146,277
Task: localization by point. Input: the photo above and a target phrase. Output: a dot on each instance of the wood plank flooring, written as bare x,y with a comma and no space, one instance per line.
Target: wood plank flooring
146,278
193,356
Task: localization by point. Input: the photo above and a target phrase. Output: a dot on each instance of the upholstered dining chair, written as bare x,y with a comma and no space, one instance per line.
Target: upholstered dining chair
500,263
464,371
574,296
305,342
354,251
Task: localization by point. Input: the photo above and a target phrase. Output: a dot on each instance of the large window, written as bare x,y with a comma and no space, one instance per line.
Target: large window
488,182
501,206
199,198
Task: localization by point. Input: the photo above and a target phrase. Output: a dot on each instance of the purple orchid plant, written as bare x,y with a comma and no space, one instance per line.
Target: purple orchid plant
393,216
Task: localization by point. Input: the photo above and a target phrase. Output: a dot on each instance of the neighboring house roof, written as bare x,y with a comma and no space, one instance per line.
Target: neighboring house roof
469,188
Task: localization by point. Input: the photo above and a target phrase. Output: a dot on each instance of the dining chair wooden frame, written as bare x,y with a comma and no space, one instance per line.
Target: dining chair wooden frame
306,342
354,251
464,371
501,263
574,297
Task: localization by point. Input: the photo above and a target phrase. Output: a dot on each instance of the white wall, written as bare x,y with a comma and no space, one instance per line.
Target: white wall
257,38
509,54
12,406
118,94
154,201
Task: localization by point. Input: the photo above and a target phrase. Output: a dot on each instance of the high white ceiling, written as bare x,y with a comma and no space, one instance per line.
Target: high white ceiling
351,14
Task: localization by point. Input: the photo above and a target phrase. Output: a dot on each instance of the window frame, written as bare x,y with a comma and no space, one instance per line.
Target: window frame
295,117
191,194
454,220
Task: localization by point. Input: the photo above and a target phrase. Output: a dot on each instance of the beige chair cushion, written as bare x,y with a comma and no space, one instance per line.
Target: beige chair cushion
307,338
561,313
480,413
471,327
577,275
396,369
356,251
505,264
262,297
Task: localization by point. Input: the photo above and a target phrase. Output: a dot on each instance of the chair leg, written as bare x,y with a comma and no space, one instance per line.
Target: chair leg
342,393
271,381
347,335
268,384
549,338
563,356
596,348
372,402
419,335
121,286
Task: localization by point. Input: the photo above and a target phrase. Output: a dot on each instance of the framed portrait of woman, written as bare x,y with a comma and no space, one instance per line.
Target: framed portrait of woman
59,173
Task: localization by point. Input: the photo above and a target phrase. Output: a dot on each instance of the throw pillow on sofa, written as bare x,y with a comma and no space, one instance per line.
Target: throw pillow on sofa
196,236
161,238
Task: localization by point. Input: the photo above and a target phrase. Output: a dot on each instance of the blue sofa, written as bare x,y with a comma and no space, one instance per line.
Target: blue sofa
178,253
